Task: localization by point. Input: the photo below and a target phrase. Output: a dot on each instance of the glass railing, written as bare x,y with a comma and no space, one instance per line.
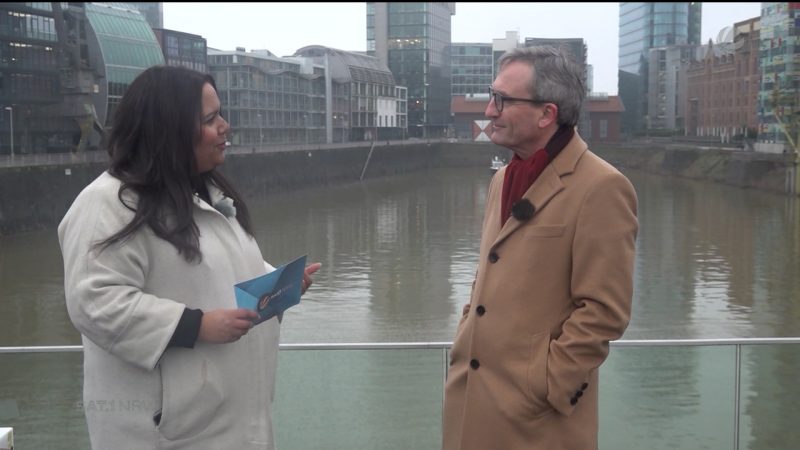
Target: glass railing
666,394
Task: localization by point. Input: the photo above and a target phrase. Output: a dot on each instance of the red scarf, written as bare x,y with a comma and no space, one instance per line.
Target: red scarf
521,173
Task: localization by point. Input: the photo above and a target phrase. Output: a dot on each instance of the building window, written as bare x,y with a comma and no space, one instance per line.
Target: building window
603,129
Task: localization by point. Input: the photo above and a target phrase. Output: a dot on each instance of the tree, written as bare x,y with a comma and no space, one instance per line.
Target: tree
785,107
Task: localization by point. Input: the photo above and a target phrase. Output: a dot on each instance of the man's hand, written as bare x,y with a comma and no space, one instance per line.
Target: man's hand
310,269
220,326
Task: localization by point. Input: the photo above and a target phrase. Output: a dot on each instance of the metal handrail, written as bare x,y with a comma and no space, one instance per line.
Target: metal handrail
446,345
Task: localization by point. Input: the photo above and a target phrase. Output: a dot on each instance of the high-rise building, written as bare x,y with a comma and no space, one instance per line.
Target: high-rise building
667,86
413,40
779,96
642,26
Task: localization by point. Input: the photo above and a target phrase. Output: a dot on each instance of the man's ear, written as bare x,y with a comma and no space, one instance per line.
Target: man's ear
549,115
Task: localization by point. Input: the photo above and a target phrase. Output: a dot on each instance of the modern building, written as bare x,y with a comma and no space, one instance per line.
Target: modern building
642,26
413,40
123,46
723,82
472,67
183,49
779,95
153,13
368,105
318,95
502,45
667,87
268,99
63,69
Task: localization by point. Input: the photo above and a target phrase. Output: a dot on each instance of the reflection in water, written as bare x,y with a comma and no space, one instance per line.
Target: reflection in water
399,255
713,261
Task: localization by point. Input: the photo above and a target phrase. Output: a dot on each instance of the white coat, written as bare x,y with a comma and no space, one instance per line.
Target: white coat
126,302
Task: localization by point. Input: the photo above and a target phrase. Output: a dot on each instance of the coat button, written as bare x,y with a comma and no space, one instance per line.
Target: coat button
573,401
474,364
579,394
585,385
480,310
493,257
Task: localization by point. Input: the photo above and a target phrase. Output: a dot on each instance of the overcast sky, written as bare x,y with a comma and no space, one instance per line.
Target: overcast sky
283,28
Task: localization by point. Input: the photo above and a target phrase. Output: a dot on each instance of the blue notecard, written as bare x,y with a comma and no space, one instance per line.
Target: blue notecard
273,293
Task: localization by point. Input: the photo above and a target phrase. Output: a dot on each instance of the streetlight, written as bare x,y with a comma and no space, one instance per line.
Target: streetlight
260,133
10,110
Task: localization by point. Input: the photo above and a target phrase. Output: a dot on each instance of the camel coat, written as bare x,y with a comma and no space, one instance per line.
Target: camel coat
127,300
549,294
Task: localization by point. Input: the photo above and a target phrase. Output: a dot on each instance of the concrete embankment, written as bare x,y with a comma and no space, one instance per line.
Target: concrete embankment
770,172
36,197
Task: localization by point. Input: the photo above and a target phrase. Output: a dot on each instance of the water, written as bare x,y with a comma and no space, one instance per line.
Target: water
399,255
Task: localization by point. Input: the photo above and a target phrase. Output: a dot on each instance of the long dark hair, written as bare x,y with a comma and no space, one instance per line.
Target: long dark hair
155,129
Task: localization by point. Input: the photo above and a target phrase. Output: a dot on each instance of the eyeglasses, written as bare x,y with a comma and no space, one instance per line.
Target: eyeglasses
500,99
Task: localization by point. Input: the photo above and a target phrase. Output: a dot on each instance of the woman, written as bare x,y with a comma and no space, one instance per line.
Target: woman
152,249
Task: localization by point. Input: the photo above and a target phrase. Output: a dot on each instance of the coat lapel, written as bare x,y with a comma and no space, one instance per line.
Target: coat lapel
547,185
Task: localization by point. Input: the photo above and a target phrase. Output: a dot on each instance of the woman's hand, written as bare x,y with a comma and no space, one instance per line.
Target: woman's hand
307,281
220,326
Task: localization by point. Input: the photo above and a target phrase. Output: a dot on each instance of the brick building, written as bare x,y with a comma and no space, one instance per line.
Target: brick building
604,118
723,85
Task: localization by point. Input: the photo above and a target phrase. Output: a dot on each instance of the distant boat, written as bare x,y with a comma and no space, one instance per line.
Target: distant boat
496,164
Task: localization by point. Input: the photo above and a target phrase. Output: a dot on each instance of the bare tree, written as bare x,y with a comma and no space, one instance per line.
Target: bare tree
785,107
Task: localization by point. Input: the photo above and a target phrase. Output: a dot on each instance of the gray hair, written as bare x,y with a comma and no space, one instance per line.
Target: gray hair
555,78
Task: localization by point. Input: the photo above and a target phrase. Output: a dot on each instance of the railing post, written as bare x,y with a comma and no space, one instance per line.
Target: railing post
737,386
444,377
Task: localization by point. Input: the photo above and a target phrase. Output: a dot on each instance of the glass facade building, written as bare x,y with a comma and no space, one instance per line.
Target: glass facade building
63,69
153,12
267,99
125,46
183,49
471,65
642,26
29,75
779,95
413,40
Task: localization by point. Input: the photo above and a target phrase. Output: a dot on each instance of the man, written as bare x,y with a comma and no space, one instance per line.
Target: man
555,274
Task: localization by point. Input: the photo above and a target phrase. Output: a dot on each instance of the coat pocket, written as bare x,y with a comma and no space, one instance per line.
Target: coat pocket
544,231
537,374
191,395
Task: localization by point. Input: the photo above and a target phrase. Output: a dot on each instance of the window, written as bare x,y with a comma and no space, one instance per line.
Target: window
603,129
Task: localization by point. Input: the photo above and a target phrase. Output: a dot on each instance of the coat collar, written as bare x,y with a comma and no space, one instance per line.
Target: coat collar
548,184
215,194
